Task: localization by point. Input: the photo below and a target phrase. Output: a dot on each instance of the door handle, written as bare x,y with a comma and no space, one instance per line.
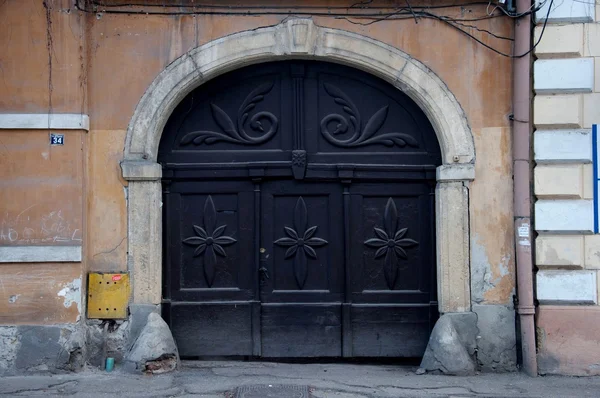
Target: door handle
264,274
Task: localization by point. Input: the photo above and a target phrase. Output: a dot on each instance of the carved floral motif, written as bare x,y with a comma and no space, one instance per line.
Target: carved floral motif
300,241
391,243
209,241
361,136
237,135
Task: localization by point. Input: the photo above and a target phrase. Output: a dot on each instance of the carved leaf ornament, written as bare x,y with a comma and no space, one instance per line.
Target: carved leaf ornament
300,241
361,136
391,243
209,241
237,134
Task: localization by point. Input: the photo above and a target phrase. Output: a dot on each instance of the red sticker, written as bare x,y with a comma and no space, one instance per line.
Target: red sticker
117,278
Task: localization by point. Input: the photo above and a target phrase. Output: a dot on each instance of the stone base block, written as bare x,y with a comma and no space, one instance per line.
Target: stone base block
138,318
567,338
41,349
496,340
462,343
154,351
60,348
451,348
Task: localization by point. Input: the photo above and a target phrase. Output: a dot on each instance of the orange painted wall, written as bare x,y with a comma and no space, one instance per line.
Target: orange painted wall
63,60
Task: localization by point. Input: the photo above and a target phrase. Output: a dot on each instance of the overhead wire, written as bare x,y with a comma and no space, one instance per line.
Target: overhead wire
363,3
358,11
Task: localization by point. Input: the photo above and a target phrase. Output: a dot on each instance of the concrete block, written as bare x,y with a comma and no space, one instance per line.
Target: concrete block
145,259
49,349
588,181
569,216
558,111
568,341
556,146
139,317
9,346
451,347
555,76
558,181
591,109
559,251
452,224
597,73
154,351
456,172
40,254
591,40
566,11
572,287
141,171
44,121
592,251
559,41
496,341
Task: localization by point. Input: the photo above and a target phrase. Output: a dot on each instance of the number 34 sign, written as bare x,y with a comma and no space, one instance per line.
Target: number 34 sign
57,139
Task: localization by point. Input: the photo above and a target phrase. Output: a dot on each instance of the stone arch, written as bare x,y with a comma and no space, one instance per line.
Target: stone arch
299,38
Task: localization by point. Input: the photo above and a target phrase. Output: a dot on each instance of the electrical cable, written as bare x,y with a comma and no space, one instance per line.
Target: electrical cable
262,7
399,14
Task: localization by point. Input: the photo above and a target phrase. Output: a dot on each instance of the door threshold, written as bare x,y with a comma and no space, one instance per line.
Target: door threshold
397,361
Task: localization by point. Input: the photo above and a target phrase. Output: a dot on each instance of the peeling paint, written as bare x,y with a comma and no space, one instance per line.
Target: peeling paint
480,270
72,294
503,266
483,279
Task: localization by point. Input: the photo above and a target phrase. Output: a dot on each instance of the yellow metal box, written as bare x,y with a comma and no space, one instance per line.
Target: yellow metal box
108,295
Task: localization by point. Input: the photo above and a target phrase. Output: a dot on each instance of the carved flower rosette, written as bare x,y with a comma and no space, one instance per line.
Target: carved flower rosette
301,242
391,243
209,241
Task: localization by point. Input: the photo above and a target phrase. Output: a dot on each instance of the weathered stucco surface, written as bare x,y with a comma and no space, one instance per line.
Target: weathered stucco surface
33,210
106,203
492,240
567,339
40,293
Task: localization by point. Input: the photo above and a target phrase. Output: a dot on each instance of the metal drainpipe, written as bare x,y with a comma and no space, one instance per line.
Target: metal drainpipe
522,186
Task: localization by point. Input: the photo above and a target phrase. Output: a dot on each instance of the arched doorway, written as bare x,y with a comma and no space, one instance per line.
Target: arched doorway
298,202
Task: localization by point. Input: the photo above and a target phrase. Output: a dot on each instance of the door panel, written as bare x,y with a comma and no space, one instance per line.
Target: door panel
392,330
208,249
212,296
301,235
202,329
390,273
302,215
301,330
390,242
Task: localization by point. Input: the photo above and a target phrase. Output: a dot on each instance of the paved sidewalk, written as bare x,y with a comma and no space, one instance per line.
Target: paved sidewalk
219,379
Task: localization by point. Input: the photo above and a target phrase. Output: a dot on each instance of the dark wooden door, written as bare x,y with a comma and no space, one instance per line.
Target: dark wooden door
299,217
301,239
